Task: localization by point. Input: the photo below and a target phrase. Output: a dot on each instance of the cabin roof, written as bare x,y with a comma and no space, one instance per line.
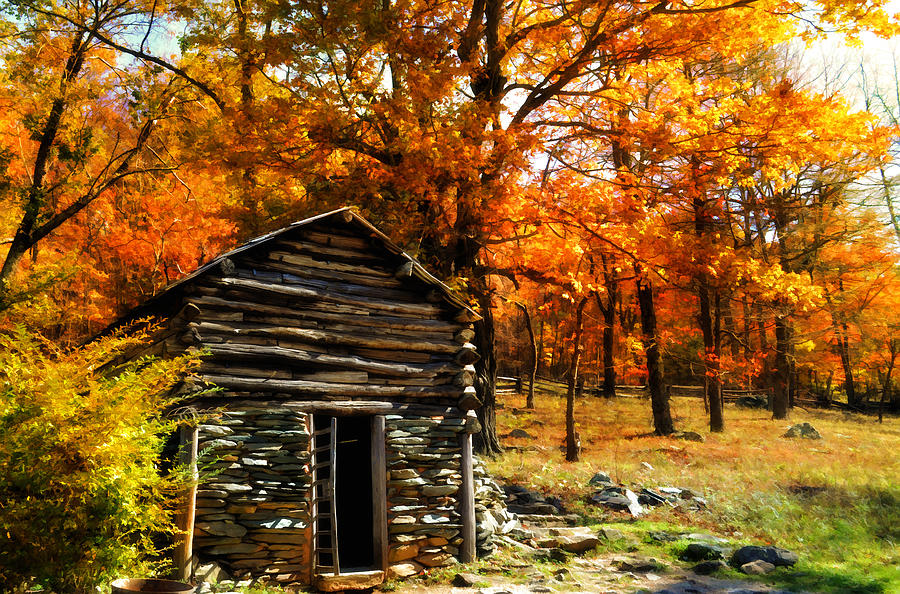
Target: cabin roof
347,215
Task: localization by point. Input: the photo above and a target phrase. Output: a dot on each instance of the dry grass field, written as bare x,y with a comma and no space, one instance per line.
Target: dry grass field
835,501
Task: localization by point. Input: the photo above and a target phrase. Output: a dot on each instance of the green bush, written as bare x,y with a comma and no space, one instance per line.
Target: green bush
80,492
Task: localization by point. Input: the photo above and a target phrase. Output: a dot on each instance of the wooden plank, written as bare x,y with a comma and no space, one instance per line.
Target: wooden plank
188,438
347,362
379,493
467,501
323,389
463,354
332,494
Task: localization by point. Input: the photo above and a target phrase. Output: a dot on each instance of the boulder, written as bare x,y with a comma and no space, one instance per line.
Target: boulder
610,534
752,402
466,580
577,543
758,567
709,567
803,431
651,497
687,436
702,551
637,564
601,479
774,555
403,570
521,433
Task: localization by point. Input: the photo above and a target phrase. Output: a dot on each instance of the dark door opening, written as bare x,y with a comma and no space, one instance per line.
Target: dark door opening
350,469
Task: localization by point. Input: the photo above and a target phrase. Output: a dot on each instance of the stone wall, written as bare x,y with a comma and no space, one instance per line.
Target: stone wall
491,515
423,458
253,501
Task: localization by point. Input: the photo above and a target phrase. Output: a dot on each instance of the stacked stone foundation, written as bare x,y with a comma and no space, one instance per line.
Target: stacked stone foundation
424,478
252,511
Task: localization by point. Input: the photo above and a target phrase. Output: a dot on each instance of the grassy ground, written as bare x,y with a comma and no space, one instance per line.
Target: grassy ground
836,502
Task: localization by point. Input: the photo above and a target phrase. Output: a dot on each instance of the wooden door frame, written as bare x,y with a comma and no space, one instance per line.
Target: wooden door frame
379,492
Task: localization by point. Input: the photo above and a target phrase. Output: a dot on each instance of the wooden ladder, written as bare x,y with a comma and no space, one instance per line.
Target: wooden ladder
325,542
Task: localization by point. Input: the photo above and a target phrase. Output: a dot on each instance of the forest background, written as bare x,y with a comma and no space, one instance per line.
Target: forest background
650,183
652,191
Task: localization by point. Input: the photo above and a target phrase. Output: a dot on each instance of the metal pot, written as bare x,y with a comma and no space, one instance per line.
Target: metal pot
132,586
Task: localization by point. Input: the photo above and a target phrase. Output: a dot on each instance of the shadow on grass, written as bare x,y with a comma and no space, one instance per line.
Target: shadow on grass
831,580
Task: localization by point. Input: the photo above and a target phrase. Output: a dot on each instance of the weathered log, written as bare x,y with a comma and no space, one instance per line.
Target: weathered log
243,370
322,389
312,295
188,437
324,337
379,491
336,240
301,260
237,294
325,274
434,296
466,316
285,313
467,354
265,353
346,407
226,266
465,378
341,253
405,356
467,500
469,400
463,336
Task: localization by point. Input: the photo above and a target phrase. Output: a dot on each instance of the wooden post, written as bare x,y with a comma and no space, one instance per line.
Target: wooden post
184,553
379,493
467,501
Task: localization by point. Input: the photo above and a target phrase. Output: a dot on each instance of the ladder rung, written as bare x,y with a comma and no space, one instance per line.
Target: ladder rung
322,431
324,448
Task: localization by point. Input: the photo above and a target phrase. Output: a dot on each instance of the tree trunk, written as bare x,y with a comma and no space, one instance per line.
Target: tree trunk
608,310
572,440
532,371
24,239
659,400
712,383
486,442
782,369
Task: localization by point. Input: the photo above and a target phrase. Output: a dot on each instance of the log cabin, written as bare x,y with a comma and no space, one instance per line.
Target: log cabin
336,450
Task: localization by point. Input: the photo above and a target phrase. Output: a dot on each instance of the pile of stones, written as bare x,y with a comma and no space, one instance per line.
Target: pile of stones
492,516
617,497
712,552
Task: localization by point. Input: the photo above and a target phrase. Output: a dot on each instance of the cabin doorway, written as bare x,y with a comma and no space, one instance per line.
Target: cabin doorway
348,509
